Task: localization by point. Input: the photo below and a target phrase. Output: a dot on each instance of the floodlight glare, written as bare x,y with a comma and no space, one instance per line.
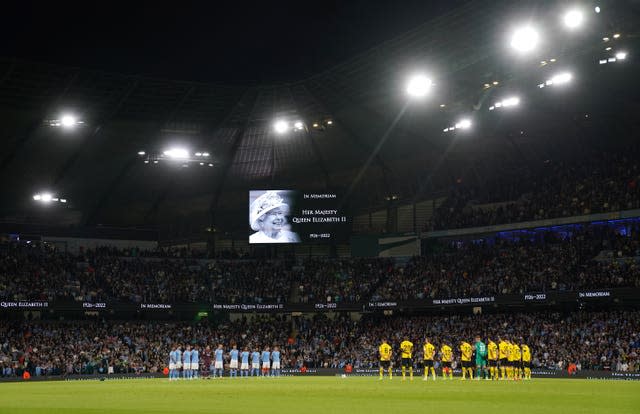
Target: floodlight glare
298,125
419,86
205,154
617,35
177,153
37,197
573,19
464,124
329,122
621,55
597,9
525,39
63,200
281,127
46,197
198,154
141,152
513,101
561,78
68,121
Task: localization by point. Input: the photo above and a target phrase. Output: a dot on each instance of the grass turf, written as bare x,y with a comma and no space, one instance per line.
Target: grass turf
320,395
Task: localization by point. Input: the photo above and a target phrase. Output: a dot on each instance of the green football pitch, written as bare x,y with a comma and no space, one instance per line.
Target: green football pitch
321,395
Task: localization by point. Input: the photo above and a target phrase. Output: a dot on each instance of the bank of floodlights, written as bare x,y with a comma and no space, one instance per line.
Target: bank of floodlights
48,198
463,124
66,121
559,79
506,103
177,154
419,86
573,19
524,39
617,57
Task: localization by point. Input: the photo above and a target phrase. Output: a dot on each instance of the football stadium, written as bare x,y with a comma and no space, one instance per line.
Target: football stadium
339,207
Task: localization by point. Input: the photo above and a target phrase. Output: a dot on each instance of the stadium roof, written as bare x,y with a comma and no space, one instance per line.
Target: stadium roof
379,143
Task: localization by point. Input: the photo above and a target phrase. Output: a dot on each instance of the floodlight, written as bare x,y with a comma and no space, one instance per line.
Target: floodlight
419,86
198,154
210,165
442,105
155,161
177,153
611,59
37,197
597,9
146,161
54,199
202,163
573,18
617,35
281,127
205,154
605,39
63,200
68,121
464,124
561,78
315,125
525,39
141,152
298,125
603,61
513,101
621,55
329,122
46,197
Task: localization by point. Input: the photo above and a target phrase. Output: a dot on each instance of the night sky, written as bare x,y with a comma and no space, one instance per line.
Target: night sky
207,41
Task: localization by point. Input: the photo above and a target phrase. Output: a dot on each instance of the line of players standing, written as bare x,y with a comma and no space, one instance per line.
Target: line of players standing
504,360
256,363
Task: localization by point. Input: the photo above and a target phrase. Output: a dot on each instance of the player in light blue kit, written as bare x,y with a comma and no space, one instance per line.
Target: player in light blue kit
233,363
173,363
219,362
244,364
266,361
195,362
179,361
255,363
186,362
275,359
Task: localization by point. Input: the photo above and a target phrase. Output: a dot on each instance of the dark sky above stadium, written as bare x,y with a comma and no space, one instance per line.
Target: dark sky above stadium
207,41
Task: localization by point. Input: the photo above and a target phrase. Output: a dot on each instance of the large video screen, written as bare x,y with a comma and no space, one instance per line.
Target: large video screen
289,216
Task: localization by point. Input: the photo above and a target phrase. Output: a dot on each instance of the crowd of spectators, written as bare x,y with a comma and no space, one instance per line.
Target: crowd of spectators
581,258
591,340
603,182
568,259
35,273
346,280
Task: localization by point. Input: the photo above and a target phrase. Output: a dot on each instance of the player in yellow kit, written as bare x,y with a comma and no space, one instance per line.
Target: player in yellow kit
526,360
466,353
446,357
517,361
492,356
406,349
385,352
429,352
503,354
510,360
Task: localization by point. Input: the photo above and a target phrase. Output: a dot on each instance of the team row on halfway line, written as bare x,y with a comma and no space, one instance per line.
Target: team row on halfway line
507,357
255,363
